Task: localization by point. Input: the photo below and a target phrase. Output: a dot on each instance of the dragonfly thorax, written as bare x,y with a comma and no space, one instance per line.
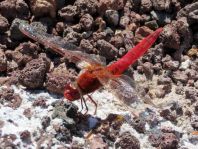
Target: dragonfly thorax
71,93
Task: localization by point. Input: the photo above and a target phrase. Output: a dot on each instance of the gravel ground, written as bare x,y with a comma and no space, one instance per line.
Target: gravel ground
33,111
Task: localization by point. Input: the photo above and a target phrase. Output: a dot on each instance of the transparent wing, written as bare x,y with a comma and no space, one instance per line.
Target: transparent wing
84,63
122,87
59,45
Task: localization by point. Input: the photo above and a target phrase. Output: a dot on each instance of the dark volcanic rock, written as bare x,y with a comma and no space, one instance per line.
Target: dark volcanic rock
128,141
65,111
58,78
45,121
9,98
112,17
41,8
155,138
41,101
4,24
7,141
167,114
170,37
117,41
148,70
191,93
71,36
139,125
25,136
161,4
68,13
190,12
86,22
142,32
106,49
146,5
86,6
179,76
3,61
171,65
33,75
14,9
86,46
24,53
169,141
103,5
194,121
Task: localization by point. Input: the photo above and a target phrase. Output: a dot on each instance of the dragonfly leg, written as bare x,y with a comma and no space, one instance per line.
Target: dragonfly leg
91,99
83,99
81,102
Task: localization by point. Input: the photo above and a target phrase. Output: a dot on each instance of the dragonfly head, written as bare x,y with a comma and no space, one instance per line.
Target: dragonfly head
71,92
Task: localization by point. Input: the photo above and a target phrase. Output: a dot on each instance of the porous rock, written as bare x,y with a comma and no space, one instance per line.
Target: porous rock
86,22
9,98
103,5
127,141
24,53
185,34
148,70
3,61
190,11
33,75
170,37
4,24
42,7
169,141
57,79
68,13
106,49
14,9
146,5
86,46
86,6
161,4
142,32
71,36
179,76
112,17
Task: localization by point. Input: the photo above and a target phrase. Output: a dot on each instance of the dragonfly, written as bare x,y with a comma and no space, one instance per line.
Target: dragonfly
95,74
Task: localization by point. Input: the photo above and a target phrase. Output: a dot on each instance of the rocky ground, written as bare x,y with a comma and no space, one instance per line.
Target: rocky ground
33,111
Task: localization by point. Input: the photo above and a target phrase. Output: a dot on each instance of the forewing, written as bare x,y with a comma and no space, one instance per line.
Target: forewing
59,45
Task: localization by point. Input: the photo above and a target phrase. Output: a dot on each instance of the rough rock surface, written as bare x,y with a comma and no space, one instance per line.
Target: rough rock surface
43,7
4,24
128,141
58,78
33,75
14,9
3,61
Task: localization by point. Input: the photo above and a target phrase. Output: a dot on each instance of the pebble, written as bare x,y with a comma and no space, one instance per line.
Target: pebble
42,7
33,75
86,21
3,61
4,24
179,76
127,141
68,13
112,17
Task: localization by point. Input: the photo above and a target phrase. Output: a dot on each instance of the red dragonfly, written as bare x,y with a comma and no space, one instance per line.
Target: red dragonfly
95,74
